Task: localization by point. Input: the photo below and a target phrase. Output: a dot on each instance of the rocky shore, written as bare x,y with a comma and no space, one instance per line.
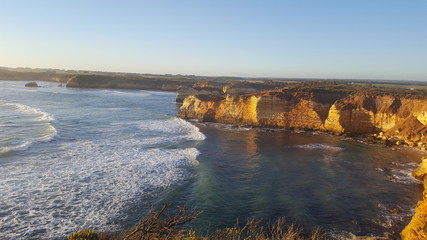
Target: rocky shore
380,117
376,115
417,228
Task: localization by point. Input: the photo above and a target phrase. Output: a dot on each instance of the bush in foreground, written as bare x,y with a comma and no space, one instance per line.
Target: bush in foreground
166,225
87,234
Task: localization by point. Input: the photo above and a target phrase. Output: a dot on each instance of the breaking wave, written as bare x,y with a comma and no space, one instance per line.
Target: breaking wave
401,173
318,146
172,129
387,219
89,188
22,126
90,183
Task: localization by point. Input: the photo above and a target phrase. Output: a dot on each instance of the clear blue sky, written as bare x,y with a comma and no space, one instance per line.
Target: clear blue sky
382,39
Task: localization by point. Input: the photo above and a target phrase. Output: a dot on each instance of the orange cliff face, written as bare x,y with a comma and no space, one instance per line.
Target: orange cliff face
417,228
231,109
389,118
267,109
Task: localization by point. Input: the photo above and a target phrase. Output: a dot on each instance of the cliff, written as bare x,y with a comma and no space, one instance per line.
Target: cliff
221,89
127,82
417,228
390,118
33,75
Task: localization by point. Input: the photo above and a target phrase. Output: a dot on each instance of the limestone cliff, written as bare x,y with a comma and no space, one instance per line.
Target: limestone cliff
417,228
391,118
394,118
221,89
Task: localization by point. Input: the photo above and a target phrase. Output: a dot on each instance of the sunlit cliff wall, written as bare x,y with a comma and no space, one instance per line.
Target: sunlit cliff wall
417,228
390,118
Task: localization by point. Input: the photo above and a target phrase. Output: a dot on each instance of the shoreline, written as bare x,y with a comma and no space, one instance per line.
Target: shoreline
415,230
417,227
368,139
420,209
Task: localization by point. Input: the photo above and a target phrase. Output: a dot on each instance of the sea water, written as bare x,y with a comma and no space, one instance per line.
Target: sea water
94,158
76,158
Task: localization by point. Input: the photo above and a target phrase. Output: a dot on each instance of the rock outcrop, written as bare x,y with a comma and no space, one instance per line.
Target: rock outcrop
32,84
221,89
392,119
127,82
417,228
184,85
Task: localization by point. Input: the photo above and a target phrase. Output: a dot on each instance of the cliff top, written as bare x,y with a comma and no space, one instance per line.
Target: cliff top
369,90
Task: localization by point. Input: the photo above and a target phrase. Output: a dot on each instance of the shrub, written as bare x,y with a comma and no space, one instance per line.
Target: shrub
86,234
165,224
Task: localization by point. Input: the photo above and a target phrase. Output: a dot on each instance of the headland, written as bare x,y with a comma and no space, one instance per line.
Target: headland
392,113
392,116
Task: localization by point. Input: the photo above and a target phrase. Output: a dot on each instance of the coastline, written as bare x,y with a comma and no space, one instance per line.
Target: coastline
416,228
390,119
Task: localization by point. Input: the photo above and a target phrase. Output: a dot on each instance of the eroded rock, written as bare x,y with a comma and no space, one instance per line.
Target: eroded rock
31,84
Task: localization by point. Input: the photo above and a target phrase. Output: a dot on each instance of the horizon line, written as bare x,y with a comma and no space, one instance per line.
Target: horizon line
216,76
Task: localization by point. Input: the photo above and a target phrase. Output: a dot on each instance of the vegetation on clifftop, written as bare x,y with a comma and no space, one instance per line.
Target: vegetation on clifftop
402,91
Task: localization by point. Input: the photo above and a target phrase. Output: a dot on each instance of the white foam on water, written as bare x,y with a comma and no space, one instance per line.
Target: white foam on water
42,116
137,93
402,173
410,164
318,146
230,127
85,187
404,176
118,109
92,183
5,150
23,146
387,219
165,93
47,132
172,128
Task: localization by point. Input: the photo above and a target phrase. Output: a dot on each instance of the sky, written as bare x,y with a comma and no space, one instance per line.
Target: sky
363,39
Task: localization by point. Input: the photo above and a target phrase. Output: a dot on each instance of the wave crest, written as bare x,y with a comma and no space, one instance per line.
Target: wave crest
319,146
173,127
38,128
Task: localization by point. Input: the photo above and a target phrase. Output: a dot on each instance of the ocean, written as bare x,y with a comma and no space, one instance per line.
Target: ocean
96,158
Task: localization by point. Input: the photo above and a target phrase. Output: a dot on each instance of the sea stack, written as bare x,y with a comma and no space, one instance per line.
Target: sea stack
31,84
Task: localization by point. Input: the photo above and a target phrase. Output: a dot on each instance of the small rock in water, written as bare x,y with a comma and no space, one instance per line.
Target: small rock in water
31,84
392,178
394,210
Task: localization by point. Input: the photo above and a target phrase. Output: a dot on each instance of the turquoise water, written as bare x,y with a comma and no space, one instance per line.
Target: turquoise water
93,158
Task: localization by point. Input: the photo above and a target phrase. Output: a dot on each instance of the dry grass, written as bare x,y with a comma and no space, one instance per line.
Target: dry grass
161,224
253,230
165,224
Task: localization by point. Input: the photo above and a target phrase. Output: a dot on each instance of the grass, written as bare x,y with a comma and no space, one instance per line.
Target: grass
169,224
